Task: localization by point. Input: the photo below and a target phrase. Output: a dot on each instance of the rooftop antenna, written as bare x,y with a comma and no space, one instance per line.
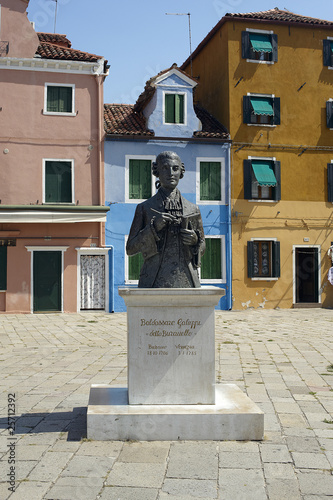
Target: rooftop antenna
55,15
189,30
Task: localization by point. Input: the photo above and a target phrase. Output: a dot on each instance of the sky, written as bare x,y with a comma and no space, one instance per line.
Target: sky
137,37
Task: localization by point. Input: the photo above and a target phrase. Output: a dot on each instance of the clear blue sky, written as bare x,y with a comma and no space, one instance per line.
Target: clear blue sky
138,39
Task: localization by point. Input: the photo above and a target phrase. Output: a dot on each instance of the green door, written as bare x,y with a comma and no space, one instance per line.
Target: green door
47,281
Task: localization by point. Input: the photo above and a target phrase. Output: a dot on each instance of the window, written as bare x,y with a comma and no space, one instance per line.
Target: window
135,263
59,99
58,185
3,267
261,109
139,179
262,179
330,181
210,180
259,46
263,259
174,108
329,113
328,52
212,262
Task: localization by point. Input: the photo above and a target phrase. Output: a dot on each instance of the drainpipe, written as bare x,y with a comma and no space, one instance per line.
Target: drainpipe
111,284
229,239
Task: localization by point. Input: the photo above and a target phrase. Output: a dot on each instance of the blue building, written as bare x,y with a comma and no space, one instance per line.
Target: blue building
165,119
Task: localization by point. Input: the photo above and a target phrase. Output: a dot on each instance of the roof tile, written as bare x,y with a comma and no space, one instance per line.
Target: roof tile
55,46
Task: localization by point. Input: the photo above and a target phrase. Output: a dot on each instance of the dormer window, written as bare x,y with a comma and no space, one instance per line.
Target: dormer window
174,108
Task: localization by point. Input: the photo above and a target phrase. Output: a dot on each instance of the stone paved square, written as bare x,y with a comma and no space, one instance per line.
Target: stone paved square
278,357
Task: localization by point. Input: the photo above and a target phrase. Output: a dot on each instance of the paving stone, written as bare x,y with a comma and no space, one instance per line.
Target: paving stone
315,483
191,487
310,461
50,466
303,444
75,489
86,466
136,474
30,490
146,452
274,453
117,493
234,460
100,448
193,461
241,484
279,471
283,489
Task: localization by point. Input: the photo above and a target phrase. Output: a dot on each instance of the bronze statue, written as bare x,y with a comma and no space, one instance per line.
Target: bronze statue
167,230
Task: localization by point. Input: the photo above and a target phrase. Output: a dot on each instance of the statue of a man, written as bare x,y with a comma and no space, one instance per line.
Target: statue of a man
167,230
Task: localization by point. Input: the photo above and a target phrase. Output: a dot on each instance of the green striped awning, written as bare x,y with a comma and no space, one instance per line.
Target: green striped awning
262,106
260,43
264,173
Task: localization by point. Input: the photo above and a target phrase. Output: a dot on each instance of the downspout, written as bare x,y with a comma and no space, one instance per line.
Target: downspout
229,229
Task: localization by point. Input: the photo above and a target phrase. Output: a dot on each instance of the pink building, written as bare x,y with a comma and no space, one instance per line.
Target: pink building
52,250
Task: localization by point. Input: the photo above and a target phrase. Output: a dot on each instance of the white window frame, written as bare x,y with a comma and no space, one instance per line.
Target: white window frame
152,158
71,160
260,32
33,249
261,158
265,278
165,92
92,251
57,113
294,270
272,96
223,280
220,160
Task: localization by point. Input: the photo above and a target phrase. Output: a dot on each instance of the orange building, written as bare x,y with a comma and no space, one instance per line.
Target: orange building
268,76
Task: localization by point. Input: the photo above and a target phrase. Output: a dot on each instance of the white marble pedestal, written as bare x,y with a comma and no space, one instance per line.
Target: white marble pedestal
171,390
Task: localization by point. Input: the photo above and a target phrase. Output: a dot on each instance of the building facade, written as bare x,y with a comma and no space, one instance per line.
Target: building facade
52,213
164,119
268,77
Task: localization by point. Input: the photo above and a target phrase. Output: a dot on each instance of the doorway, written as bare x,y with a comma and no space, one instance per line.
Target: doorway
307,266
92,282
46,281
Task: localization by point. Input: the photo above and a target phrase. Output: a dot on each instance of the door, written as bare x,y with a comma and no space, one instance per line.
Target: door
92,282
307,274
46,281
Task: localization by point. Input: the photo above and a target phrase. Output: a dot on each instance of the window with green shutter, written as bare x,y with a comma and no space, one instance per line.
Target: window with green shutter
210,181
174,108
58,181
139,179
135,263
59,99
3,267
211,266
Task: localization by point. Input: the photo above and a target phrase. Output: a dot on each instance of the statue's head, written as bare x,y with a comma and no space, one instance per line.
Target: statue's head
169,169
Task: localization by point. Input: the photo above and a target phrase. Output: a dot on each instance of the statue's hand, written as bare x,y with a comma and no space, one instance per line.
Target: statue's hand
189,237
163,220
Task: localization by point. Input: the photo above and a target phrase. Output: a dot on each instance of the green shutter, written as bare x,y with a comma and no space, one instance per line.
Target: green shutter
139,179
211,260
3,268
59,99
179,108
135,263
169,108
210,181
58,182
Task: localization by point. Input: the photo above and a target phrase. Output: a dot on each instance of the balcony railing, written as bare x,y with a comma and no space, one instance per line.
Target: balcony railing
4,47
